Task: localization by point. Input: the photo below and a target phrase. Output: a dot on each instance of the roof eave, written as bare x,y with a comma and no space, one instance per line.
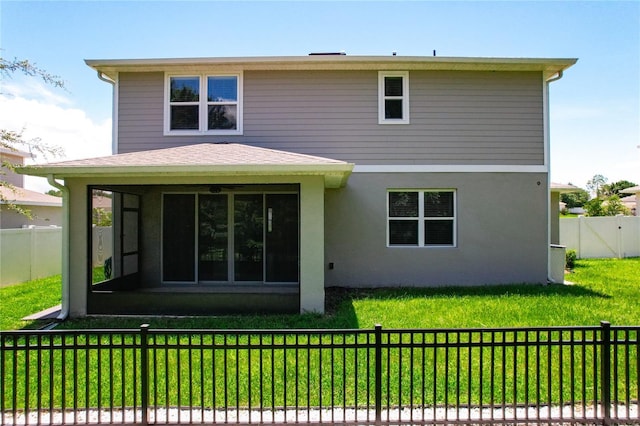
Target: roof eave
335,175
548,66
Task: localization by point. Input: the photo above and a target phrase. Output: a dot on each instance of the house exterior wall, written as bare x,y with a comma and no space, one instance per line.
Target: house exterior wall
497,243
41,216
9,176
463,118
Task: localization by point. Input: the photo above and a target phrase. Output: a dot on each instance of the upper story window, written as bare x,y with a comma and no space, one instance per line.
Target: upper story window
203,104
393,97
421,218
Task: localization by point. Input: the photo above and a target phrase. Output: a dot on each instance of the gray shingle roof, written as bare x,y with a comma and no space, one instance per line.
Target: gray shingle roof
200,159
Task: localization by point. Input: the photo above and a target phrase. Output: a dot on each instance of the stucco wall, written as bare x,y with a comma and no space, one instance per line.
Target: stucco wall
501,232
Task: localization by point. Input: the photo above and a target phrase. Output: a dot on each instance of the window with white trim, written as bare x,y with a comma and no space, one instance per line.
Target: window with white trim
421,218
203,104
393,97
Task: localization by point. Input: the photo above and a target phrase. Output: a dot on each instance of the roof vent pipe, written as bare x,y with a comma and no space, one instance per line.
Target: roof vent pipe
327,54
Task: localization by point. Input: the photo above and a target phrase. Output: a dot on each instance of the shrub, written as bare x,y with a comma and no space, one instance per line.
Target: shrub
570,259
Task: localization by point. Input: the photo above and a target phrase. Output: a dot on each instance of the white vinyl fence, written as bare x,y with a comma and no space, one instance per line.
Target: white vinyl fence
31,253
593,237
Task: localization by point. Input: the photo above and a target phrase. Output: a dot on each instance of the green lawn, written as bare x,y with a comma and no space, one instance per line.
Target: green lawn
20,300
605,289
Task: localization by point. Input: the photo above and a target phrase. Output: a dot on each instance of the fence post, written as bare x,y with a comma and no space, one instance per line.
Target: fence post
605,371
144,373
378,373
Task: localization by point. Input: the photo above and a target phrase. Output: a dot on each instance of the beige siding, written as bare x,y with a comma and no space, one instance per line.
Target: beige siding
456,117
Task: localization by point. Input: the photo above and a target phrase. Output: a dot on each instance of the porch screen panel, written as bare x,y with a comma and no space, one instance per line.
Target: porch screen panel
213,237
248,237
178,237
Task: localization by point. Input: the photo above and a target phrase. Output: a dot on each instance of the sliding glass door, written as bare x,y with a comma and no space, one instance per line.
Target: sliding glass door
260,230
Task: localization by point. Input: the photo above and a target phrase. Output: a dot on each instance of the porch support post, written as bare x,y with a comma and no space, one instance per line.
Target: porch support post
312,244
79,251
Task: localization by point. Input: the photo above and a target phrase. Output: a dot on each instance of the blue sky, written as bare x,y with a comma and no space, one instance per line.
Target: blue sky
595,107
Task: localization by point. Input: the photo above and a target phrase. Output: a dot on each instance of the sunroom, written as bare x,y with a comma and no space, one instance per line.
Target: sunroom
203,229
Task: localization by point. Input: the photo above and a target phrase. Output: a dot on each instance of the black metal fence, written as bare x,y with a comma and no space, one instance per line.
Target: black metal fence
550,375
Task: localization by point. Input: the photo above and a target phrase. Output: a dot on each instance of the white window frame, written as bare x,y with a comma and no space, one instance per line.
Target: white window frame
421,218
382,98
203,105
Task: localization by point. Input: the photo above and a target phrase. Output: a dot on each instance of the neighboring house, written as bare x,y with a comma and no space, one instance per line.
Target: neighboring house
46,210
252,184
629,202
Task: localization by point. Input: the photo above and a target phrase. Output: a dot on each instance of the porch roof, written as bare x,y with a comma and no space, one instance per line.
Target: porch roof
206,159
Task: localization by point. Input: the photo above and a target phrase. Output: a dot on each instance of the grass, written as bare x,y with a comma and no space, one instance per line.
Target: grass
20,300
604,290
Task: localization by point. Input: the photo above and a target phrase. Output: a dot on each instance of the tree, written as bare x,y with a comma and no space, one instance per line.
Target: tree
611,206
595,185
575,199
14,141
614,188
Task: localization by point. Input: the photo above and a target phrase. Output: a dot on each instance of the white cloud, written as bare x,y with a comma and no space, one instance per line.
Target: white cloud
48,116
30,89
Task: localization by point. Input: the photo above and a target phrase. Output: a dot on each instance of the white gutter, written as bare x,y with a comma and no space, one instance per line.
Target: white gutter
556,78
64,311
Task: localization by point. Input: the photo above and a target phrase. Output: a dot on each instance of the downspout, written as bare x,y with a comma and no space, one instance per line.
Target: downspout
114,111
64,311
547,144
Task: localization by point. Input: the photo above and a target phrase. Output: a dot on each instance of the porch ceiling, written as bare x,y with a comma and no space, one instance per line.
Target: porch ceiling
207,159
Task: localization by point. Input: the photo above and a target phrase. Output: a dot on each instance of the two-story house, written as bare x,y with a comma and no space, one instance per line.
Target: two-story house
252,184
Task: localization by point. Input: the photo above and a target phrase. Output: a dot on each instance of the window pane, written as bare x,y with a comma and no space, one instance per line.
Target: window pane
438,204
223,117
403,232
393,108
184,117
403,204
222,89
185,89
393,86
438,232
